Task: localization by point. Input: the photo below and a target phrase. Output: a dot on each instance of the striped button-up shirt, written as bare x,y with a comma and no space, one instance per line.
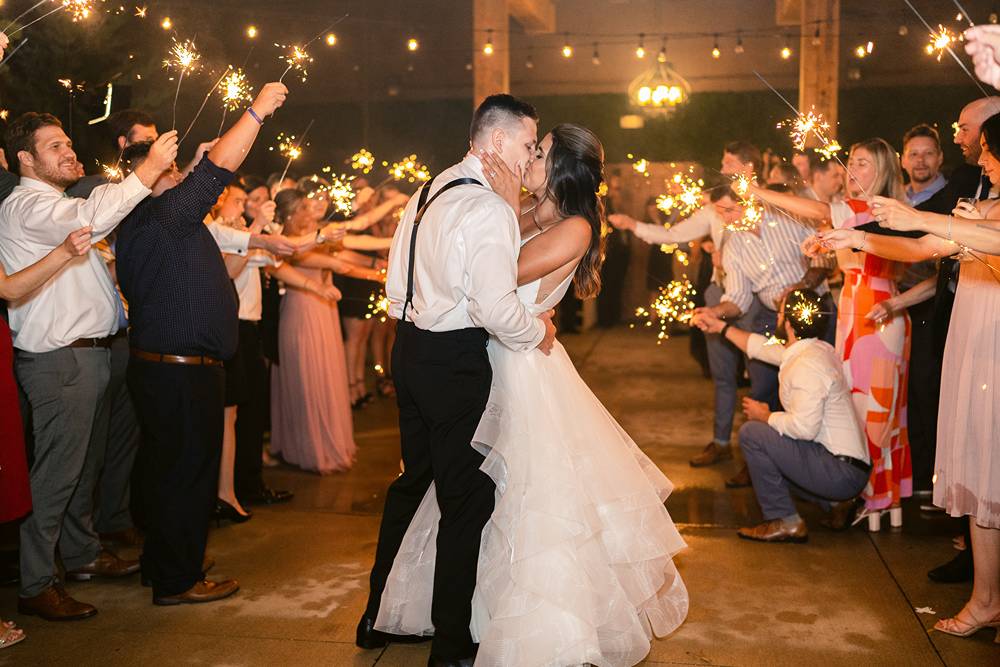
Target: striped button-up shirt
768,262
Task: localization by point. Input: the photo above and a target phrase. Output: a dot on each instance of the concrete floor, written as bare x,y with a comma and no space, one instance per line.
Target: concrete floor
842,599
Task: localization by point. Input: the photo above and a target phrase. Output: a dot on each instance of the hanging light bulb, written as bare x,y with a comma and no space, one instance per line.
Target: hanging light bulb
166,23
816,39
859,51
567,50
252,31
488,46
640,51
412,44
661,57
903,30
738,49
786,50
331,39
716,52
596,58
529,63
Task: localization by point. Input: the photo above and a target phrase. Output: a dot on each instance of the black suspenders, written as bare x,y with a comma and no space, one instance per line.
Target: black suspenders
422,204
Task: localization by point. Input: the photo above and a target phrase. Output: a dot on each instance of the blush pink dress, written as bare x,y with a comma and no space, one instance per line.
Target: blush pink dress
311,423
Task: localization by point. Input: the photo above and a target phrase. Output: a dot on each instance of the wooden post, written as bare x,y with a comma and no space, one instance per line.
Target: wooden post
491,72
819,59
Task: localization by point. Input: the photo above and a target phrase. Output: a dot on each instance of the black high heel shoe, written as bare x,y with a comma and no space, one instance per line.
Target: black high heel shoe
225,511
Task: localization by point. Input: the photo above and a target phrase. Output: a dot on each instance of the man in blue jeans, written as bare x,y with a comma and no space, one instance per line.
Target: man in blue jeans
760,266
814,447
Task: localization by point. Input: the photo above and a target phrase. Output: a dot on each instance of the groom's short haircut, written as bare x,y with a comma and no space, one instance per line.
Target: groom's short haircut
497,111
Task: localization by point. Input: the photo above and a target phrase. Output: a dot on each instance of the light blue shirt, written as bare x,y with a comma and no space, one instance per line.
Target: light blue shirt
917,198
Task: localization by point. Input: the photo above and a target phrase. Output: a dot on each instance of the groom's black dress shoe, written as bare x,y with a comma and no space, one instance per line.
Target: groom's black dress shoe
369,638
438,662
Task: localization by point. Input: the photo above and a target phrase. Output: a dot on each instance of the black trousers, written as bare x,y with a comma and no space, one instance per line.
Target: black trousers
251,413
924,390
180,411
442,386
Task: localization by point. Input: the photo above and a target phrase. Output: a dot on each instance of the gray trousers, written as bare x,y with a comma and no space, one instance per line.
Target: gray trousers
64,389
115,441
780,466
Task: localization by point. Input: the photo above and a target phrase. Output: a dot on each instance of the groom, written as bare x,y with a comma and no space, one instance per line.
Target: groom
451,284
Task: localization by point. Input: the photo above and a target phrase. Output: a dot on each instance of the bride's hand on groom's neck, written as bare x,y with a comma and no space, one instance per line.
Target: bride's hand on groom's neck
504,182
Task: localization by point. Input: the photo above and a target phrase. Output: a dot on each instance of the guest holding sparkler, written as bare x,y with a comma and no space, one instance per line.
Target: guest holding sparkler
875,355
311,422
813,446
62,335
184,324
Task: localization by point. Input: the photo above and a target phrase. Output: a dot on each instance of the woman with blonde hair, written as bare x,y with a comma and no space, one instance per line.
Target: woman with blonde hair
875,355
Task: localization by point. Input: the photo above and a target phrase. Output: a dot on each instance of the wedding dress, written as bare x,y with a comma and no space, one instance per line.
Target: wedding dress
575,565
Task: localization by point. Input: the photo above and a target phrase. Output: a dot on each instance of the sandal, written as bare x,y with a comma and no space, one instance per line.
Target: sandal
10,634
959,628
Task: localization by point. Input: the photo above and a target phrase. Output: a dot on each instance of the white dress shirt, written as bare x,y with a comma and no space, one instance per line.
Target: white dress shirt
768,263
815,396
703,222
229,239
465,272
80,300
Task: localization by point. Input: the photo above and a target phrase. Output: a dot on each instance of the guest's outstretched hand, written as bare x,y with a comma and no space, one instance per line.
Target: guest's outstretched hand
622,221
983,44
270,98
162,155
333,232
894,214
813,246
840,239
78,242
4,43
707,321
279,245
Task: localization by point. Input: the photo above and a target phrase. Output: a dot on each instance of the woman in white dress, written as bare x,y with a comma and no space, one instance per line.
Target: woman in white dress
575,565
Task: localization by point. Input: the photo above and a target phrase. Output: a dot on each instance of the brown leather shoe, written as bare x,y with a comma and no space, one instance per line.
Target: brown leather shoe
207,563
775,531
54,604
203,591
841,515
711,455
106,564
740,479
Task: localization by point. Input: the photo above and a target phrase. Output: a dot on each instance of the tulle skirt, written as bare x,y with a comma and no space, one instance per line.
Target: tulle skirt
575,565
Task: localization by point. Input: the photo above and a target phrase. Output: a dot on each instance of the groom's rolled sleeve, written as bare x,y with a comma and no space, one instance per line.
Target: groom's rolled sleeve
491,246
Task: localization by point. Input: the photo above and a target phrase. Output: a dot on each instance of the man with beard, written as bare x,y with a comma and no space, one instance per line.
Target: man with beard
62,337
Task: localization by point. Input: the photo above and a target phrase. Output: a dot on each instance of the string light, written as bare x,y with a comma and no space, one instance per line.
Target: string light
596,58
640,51
529,63
412,44
166,23
738,49
716,52
331,39
903,30
816,39
488,46
252,32
862,50
661,57
567,49
786,50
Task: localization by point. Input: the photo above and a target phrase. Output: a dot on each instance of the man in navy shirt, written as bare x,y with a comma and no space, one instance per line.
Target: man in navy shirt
183,311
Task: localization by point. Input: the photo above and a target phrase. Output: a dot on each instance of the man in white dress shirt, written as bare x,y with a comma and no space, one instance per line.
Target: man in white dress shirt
738,157
814,447
452,286
62,337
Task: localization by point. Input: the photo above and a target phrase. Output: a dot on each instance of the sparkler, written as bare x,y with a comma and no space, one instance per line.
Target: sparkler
640,165
684,194
363,161
964,13
113,172
939,38
673,304
753,213
378,306
297,59
235,91
940,41
290,148
78,9
13,51
184,58
339,192
408,169
25,13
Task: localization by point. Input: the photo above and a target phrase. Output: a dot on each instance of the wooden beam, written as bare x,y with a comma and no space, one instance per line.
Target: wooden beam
535,16
819,59
787,12
491,73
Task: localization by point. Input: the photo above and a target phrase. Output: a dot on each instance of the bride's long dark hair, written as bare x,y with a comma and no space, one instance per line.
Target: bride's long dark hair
575,173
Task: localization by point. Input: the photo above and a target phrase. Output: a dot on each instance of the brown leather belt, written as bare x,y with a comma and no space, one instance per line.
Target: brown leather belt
91,342
175,358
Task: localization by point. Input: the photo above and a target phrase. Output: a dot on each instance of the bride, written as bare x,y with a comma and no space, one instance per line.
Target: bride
575,563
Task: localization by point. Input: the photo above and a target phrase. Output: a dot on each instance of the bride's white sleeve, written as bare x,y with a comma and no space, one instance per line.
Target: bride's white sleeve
491,244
